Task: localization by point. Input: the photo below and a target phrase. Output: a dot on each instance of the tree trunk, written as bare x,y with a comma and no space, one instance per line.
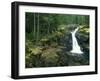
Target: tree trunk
37,27
34,30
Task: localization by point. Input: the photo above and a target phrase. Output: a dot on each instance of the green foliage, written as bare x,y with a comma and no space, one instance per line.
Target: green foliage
48,40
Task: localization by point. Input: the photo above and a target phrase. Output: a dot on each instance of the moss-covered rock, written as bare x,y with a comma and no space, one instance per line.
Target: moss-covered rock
50,57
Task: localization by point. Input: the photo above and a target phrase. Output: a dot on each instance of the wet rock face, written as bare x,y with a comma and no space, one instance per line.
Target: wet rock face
83,38
66,41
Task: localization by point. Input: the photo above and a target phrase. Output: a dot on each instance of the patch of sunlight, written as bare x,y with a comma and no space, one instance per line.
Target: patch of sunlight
36,50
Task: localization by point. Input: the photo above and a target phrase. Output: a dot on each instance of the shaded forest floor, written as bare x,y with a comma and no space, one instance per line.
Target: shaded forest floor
53,56
57,53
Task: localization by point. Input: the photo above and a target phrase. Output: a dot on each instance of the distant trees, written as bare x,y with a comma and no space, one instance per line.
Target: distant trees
39,25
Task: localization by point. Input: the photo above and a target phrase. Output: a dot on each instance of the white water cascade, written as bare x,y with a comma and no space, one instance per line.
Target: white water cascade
75,46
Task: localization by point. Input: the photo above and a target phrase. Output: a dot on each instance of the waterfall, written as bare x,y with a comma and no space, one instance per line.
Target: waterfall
75,46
